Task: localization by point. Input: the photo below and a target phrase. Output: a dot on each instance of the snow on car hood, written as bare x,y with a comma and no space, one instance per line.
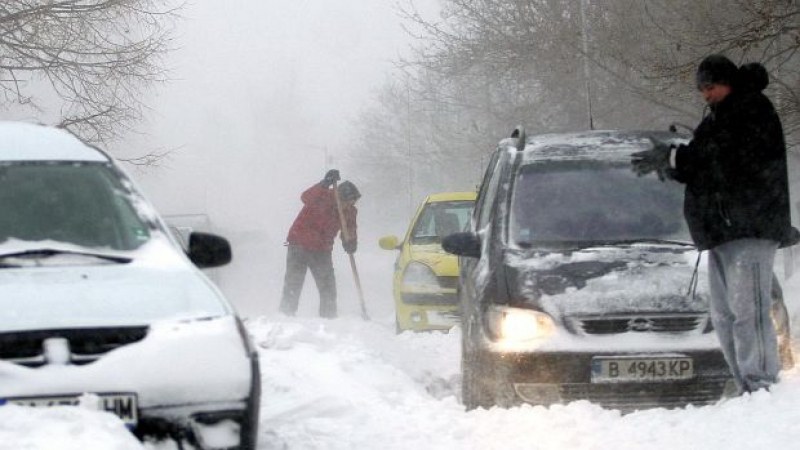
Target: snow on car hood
72,291
605,280
177,363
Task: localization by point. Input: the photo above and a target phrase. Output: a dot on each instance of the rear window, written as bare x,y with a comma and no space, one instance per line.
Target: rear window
79,203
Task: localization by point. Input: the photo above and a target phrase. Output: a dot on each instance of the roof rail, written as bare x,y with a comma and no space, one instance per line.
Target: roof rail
519,135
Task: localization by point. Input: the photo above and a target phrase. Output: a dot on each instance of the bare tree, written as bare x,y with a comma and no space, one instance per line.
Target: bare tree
484,66
642,54
83,64
679,33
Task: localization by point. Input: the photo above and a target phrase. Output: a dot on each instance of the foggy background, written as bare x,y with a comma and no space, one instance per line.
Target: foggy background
259,107
259,99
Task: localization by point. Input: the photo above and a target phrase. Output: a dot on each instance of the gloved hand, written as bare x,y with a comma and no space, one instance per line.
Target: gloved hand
350,246
331,177
653,160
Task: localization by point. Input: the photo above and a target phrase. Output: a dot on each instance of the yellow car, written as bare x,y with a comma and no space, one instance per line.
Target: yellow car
425,277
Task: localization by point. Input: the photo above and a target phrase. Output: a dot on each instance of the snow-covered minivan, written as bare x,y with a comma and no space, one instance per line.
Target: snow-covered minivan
100,305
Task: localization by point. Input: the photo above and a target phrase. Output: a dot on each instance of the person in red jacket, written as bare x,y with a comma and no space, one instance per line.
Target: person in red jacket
310,242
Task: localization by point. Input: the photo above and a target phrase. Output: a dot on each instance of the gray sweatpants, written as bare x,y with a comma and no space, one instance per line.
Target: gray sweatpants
298,261
740,278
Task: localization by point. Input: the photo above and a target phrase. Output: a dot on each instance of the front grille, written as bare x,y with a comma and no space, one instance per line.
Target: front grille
430,299
448,282
629,397
86,344
678,323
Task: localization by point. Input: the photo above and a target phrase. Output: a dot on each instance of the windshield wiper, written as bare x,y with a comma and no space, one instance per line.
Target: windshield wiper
655,241
579,245
48,252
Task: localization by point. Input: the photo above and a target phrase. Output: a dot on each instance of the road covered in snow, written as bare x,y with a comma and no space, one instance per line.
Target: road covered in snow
350,384
354,384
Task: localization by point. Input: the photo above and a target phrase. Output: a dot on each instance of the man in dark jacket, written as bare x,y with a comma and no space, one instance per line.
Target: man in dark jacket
737,206
310,242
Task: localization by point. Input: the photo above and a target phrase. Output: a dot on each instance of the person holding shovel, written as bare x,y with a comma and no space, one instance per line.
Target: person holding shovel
310,241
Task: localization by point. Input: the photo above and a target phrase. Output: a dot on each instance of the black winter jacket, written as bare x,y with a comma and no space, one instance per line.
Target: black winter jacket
735,173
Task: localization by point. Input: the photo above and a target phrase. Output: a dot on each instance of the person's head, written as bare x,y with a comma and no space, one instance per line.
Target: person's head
716,78
348,193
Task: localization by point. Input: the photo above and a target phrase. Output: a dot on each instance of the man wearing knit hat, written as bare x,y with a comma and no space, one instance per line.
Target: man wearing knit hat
737,207
310,242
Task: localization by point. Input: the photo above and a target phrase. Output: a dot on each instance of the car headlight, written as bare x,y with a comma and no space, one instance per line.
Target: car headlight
419,275
518,325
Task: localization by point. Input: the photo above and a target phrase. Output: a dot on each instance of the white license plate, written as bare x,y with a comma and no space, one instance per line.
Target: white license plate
442,318
626,369
123,405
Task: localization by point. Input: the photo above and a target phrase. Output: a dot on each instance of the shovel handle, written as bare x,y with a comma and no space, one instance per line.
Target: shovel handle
346,236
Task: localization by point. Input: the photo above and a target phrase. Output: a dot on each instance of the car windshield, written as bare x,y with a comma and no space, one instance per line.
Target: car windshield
85,204
574,201
438,219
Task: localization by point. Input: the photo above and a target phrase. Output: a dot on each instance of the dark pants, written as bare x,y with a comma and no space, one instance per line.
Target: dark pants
298,260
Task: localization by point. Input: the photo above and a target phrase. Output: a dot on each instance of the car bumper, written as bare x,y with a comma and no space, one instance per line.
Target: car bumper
563,377
427,317
194,380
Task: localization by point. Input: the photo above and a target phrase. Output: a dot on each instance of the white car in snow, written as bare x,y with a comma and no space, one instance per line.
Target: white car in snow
101,305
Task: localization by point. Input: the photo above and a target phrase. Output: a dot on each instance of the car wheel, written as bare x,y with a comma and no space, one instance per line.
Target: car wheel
483,383
473,394
780,318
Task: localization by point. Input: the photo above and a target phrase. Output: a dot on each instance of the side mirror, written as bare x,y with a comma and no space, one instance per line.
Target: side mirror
464,243
209,250
389,242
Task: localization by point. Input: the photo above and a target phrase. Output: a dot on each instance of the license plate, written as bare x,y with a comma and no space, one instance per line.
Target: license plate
626,369
123,405
442,318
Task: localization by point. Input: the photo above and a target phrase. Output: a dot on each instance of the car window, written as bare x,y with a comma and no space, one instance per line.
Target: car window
487,191
572,201
439,219
78,203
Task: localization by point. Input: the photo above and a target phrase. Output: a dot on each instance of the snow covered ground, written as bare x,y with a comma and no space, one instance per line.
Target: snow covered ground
351,384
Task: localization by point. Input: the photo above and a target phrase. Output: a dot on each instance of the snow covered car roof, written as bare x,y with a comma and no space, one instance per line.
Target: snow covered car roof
21,141
595,145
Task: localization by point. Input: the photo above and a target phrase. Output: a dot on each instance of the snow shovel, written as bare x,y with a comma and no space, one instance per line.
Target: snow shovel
346,236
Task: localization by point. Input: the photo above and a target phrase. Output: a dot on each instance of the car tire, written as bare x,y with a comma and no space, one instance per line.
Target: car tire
780,318
473,394
484,382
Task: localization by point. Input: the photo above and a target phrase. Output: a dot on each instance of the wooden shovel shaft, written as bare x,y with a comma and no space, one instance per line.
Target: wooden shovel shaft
346,236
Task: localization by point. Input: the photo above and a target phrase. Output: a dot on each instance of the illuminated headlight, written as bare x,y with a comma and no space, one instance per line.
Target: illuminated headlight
518,325
419,275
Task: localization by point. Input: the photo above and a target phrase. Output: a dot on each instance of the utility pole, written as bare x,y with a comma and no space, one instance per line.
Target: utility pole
586,68
408,143
327,158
